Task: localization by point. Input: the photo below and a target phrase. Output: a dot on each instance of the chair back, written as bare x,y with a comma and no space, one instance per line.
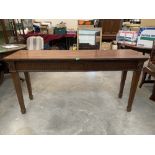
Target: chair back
13,31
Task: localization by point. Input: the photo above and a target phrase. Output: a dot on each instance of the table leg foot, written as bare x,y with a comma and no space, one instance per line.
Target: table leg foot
128,109
23,111
31,97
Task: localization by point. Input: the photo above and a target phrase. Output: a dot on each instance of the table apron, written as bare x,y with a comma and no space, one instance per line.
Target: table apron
72,65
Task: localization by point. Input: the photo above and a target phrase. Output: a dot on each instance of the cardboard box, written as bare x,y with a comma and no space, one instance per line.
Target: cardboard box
44,29
61,25
106,46
135,29
146,36
85,26
147,23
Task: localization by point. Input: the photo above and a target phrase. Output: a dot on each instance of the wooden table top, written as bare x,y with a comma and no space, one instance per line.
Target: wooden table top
6,50
125,54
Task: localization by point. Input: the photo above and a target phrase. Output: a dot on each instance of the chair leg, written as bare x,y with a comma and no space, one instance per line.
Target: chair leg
1,77
152,97
149,77
143,79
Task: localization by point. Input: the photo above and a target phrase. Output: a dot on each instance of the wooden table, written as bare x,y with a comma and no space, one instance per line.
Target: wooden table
5,52
134,47
68,61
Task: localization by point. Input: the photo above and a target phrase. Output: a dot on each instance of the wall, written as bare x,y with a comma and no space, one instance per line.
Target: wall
70,23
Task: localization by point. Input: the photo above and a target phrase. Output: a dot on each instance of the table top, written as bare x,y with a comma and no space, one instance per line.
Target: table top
5,50
123,54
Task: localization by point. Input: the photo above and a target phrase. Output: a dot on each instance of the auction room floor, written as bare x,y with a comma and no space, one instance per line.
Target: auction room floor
76,103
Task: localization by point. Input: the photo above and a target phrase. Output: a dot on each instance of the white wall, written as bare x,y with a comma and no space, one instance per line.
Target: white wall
70,23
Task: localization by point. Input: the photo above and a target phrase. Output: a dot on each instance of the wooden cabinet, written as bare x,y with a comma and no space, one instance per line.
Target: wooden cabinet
110,27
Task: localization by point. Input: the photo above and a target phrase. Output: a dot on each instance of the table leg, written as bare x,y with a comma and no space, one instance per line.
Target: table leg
17,84
123,78
152,97
1,77
28,83
134,83
66,39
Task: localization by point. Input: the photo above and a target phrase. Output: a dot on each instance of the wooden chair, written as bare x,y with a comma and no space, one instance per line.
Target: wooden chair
150,70
13,30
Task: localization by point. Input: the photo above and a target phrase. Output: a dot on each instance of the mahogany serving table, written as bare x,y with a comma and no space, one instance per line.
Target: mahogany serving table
68,61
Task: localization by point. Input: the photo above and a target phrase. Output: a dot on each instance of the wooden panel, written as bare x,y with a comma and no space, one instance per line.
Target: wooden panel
70,65
110,27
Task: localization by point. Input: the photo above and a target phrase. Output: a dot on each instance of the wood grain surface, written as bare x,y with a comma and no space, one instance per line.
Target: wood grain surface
124,54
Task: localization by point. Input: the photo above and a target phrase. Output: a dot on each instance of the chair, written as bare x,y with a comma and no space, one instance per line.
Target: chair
150,70
35,43
13,30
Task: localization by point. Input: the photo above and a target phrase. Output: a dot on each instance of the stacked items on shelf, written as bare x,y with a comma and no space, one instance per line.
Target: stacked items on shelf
143,38
60,28
43,27
146,33
131,25
127,37
141,33
46,28
146,36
